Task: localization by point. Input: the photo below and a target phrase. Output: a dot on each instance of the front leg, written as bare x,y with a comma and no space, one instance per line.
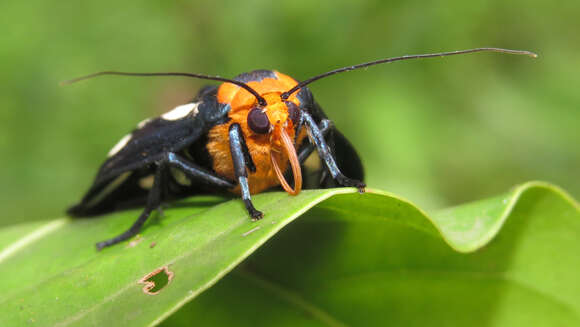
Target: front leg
239,154
316,136
325,128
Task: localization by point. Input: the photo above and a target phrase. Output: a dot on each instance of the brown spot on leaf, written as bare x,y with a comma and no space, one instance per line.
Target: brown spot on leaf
156,280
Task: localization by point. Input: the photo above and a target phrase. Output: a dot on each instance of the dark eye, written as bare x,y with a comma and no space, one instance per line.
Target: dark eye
293,111
258,121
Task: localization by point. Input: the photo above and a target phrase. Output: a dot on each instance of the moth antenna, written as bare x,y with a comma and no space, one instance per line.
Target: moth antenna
261,100
300,85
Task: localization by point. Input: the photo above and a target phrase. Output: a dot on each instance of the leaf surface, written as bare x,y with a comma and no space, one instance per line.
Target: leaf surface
352,260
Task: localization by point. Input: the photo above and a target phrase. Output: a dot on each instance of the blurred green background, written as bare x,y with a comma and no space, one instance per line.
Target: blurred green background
437,131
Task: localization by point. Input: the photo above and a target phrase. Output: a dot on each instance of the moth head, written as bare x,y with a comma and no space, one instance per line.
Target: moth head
277,122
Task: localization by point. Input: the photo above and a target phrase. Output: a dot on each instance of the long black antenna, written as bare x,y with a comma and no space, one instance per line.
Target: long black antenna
300,85
261,101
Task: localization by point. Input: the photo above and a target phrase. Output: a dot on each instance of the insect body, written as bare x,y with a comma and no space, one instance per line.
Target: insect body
241,136
222,141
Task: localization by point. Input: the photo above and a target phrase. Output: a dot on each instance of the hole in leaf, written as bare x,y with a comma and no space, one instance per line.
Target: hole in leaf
156,280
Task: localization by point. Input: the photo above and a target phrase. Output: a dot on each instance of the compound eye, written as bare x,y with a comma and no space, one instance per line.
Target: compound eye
293,111
258,121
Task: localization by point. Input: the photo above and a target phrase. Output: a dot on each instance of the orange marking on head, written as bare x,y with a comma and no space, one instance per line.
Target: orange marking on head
240,98
259,145
226,92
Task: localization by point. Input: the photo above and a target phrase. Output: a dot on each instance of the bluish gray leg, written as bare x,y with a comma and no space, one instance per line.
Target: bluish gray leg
153,201
238,156
316,136
325,128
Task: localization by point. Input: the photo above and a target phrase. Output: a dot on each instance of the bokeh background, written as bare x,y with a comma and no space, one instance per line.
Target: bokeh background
438,132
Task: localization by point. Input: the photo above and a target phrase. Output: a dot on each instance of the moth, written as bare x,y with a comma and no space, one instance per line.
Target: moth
244,136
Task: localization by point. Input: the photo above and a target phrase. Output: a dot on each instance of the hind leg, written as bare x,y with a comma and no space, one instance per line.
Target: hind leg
153,202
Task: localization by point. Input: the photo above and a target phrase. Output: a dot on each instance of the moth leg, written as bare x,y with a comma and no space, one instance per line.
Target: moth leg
239,154
325,153
329,136
153,202
195,172
326,127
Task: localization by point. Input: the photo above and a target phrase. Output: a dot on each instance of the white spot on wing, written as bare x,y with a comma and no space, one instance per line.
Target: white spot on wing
143,123
146,182
119,145
181,111
180,177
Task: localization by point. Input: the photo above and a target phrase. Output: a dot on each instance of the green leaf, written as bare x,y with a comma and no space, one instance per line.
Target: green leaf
353,259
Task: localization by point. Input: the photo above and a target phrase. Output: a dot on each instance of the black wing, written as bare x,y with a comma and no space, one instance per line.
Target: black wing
347,158
122,179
